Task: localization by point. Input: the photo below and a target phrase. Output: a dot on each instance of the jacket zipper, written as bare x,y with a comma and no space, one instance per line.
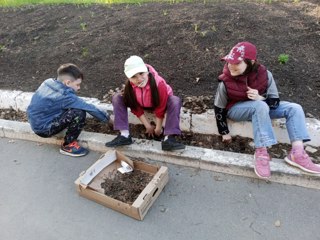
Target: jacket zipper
142,97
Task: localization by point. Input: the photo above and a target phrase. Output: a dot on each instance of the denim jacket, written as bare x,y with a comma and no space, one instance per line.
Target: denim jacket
51,100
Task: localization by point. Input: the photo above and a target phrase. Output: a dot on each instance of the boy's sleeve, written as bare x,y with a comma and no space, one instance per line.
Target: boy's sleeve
272,98
74,101
163,97
220,103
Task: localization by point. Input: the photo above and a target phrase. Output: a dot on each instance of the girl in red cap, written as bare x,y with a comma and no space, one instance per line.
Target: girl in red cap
248,92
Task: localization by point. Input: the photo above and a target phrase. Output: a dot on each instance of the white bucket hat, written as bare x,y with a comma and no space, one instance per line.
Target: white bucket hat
134,65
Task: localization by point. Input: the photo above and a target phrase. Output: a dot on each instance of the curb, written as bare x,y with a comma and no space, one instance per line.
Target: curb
199,158
189,122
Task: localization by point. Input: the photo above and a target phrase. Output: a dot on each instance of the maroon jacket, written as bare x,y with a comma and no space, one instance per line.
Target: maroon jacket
236,87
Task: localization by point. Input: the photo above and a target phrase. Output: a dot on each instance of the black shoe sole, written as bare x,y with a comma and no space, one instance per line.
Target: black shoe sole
118,145
173,149
73,154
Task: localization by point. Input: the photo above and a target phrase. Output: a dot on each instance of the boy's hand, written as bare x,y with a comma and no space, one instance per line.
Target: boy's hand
226,138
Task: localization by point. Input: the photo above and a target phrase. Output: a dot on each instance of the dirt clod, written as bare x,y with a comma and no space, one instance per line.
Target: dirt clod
126,187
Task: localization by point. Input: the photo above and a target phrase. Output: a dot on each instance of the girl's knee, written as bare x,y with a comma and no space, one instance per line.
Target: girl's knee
117,99
174,101
261,106
295,107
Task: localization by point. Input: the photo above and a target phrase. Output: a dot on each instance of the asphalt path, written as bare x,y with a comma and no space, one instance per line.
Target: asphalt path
38,200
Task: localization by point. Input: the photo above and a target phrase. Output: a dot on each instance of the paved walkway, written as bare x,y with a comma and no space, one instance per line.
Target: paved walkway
38,200
200,158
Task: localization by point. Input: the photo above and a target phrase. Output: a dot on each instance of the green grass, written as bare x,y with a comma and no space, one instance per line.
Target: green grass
16,3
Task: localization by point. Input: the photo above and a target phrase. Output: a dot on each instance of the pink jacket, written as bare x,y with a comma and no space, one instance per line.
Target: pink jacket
143,95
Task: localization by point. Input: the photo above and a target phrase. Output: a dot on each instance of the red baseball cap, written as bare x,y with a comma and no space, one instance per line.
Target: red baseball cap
240,52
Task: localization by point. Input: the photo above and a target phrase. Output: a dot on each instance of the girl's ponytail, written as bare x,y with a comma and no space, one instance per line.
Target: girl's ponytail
154,91
129,97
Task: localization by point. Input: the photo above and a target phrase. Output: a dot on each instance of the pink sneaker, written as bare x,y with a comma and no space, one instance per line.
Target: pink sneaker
262,166
302,160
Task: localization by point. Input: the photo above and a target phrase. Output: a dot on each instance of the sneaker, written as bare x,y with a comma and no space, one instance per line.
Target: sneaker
302,161
171,144
262,165
119,141
73,149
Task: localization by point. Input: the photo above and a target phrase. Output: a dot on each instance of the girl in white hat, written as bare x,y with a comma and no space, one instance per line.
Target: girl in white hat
146,90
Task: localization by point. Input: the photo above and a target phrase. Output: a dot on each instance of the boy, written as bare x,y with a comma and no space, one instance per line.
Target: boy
55,107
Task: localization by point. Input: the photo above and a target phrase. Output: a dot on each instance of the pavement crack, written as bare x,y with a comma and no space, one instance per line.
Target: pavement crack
251,227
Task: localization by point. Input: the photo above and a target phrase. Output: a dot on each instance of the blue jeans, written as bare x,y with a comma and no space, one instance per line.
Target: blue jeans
259,113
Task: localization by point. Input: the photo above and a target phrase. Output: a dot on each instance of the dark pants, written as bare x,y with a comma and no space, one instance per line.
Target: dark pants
73,120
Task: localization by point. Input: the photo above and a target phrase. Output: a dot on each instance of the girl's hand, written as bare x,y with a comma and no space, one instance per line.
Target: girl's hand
226,138
158,131
150,130
253,94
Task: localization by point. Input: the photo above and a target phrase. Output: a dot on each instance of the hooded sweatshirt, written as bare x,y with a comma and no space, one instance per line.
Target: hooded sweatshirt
144,99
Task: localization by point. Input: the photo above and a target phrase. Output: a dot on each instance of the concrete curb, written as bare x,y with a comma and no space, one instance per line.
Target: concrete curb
197,123
200,158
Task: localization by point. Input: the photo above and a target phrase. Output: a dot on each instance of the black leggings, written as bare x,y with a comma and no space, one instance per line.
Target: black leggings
73,120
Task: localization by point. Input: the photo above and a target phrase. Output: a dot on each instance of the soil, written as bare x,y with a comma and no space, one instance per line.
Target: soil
183,41
126,187
238,144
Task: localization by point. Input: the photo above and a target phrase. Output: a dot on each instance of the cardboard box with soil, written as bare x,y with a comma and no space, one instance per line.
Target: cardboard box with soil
131,193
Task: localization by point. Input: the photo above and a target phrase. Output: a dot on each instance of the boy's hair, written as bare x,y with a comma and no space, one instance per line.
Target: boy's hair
130,99
71,70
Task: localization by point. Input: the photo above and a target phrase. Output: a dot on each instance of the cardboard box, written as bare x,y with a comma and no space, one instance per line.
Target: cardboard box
88,184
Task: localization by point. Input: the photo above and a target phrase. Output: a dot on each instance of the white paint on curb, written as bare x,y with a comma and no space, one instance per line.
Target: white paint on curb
197,123
8,98
1,131
200,158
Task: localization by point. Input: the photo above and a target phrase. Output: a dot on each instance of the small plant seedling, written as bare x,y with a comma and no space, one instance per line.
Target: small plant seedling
2,48
84,52
283,58
203,33
83,26
165,12
196,27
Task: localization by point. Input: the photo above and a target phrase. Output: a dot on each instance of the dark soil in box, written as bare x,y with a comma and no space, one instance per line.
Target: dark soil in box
126,187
